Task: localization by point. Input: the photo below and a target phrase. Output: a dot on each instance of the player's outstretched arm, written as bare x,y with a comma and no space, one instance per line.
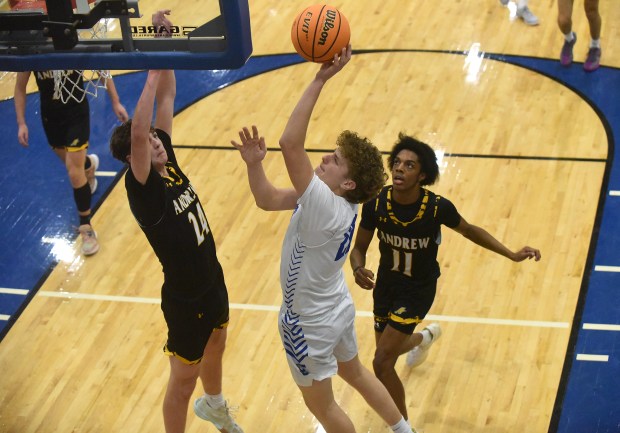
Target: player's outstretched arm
253,150
364,277
293,138
165,95
140,160
117,107
167,87
19,99
483,238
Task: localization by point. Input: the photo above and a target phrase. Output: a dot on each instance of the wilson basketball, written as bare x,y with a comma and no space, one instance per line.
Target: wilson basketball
319,32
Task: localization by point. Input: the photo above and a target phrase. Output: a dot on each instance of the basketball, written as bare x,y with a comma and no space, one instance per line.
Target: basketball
319,32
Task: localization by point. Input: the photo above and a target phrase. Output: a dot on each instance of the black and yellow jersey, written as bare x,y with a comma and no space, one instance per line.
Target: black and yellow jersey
171,216
409,235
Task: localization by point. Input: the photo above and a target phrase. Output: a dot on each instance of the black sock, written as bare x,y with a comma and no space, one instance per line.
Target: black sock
82,198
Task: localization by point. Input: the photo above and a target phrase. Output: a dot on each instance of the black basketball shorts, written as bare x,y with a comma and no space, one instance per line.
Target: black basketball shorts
402,305
192,321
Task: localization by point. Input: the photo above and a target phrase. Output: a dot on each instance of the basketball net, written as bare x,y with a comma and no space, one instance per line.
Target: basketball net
67,88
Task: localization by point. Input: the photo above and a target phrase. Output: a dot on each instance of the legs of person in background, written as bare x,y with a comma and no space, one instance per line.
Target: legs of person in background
594,20
524,12
75,162
565,23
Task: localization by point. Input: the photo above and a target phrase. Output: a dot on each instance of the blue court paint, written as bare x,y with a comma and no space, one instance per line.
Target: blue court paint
589,394
592,396
603,301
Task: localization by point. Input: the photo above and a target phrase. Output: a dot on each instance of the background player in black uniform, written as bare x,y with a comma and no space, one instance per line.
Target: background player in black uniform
67,128
194,294
408,219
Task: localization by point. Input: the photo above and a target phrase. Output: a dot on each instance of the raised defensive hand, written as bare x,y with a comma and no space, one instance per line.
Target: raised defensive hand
160,20
526,253
252,147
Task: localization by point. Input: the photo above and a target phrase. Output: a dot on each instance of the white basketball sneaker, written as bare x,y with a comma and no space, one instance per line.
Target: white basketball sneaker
220,417
418,354
527,16
90,245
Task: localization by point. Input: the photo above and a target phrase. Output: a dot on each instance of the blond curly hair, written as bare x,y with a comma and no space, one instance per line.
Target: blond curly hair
365,166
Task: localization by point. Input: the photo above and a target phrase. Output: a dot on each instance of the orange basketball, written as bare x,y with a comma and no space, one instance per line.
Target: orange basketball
319,32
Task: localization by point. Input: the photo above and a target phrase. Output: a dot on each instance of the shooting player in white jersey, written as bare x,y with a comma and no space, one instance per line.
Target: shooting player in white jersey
317,315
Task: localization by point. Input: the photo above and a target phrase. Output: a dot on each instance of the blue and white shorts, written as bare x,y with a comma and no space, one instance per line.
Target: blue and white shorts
315,345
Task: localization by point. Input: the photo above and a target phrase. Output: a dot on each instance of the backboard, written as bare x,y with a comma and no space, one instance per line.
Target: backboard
58,34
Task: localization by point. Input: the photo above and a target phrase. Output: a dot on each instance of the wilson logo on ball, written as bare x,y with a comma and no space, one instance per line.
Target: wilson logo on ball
330,18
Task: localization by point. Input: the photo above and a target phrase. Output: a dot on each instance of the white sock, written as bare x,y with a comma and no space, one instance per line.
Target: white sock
427,337
215,401
570,36
402,426
595,43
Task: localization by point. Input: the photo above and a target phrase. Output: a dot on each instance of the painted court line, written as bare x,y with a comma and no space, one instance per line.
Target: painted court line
274,308
254,307
69,295
595,358
106,173
486,321
607,268
601,327
614,192
13,291
4,317
492,321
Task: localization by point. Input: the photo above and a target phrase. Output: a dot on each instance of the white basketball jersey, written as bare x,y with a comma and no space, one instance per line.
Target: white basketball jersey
315,248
